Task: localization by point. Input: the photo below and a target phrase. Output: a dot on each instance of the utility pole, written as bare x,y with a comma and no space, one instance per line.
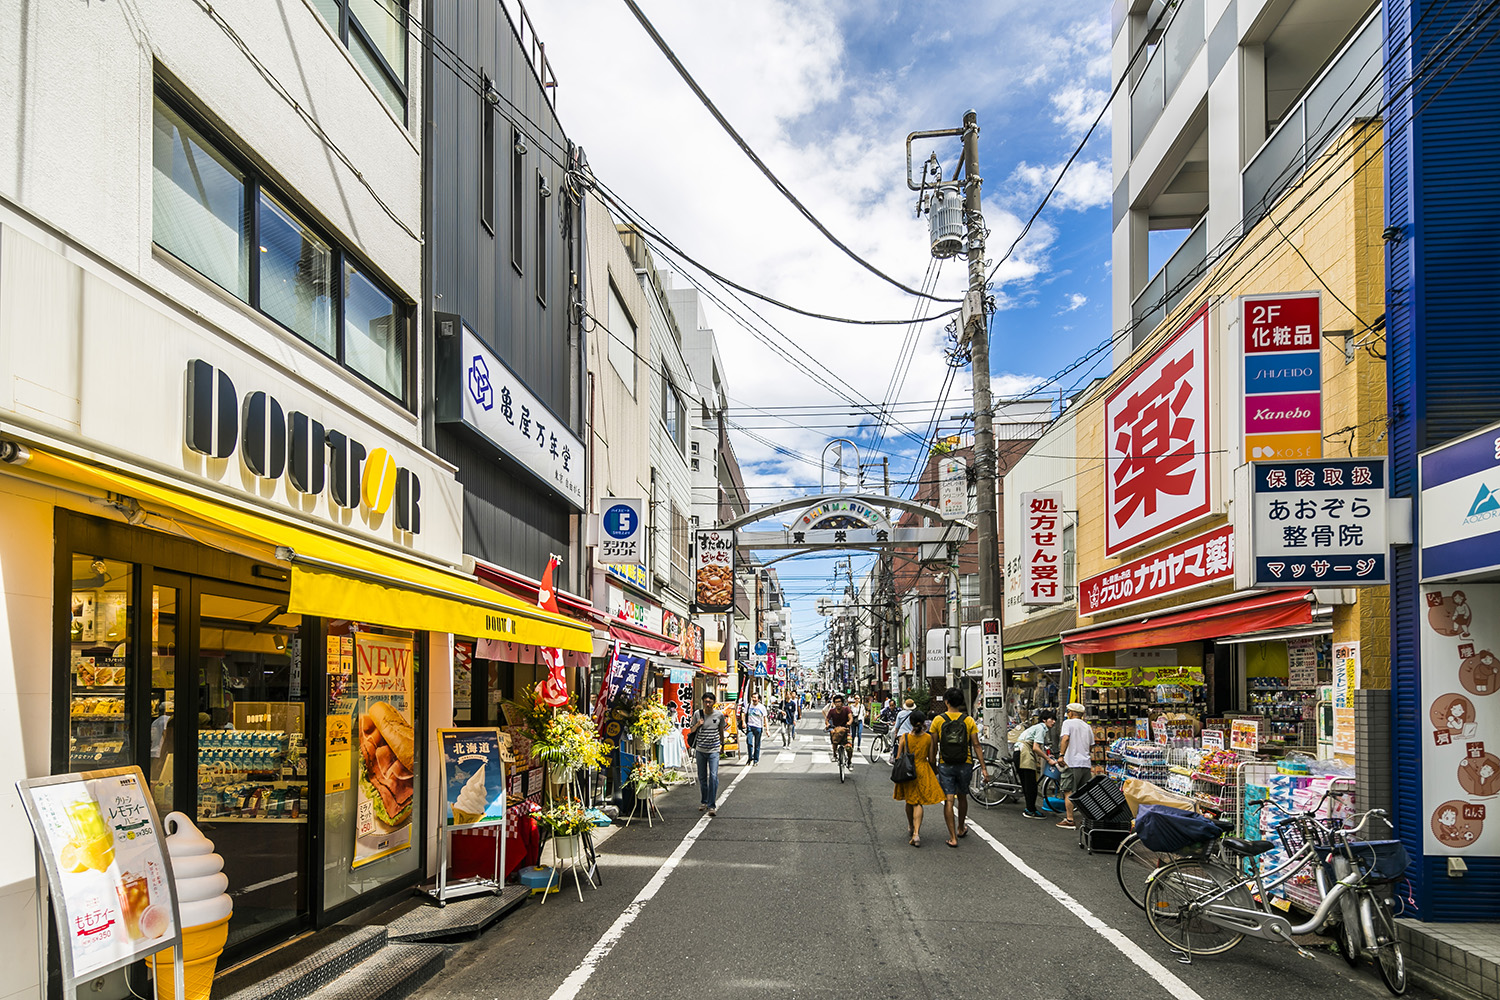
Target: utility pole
974,333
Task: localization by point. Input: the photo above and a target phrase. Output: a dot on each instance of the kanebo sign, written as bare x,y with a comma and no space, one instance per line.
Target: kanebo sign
274,443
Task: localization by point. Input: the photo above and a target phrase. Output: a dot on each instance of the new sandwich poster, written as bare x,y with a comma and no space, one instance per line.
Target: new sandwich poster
387,766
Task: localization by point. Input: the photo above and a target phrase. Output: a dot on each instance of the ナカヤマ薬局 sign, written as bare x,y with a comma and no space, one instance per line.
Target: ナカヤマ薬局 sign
1193,562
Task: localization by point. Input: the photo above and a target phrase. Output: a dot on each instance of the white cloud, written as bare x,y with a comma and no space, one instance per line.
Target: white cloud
1087,184
1076,106
1075,301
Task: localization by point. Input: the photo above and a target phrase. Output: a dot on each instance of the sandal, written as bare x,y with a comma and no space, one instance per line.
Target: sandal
952,843
964,832
915,842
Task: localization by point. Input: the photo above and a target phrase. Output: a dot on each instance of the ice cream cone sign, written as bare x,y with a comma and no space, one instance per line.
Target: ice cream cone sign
554,689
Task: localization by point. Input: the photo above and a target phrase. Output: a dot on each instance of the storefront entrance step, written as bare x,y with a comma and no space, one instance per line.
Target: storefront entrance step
302,967
1459,961
461,917
392,973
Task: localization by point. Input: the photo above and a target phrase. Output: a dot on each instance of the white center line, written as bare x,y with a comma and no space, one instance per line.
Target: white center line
1176,987
579,977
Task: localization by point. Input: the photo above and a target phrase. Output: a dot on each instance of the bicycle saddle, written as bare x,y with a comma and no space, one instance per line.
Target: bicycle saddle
1247,848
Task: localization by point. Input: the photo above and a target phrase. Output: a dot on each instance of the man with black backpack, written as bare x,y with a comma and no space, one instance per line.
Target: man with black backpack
953,752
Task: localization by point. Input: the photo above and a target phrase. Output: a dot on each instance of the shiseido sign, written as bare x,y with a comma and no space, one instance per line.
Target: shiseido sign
273,443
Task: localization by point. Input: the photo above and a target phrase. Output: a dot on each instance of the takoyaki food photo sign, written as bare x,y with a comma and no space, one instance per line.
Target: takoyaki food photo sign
1461,696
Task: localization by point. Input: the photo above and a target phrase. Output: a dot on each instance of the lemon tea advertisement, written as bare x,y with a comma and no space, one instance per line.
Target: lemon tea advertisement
102,842
387,766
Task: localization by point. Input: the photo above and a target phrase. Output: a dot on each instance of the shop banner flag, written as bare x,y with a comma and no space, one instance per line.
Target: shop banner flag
387,772
554,688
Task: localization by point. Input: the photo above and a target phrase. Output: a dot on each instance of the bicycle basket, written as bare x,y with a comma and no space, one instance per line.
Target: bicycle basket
1380,861
880,728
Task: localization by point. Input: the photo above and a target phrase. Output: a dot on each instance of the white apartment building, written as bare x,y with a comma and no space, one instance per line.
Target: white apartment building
1227,102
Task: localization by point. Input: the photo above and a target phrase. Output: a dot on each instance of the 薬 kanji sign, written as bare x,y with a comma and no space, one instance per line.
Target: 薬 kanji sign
1156,442
1041,547
1203,559
1319,523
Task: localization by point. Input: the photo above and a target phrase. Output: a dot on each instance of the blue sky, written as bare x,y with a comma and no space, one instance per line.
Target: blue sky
826,92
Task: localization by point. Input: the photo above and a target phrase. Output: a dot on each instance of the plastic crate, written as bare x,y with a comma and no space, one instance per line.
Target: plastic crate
1102,834
1100,799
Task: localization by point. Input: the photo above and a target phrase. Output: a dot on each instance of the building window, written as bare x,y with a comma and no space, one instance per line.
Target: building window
542,193
375,32
207,212
1069,559
622,338
674,414
487,162
681,538
517,199
695,465
199,209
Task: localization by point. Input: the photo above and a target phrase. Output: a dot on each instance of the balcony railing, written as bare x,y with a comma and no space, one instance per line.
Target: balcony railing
1165,292
1347,89
1164,70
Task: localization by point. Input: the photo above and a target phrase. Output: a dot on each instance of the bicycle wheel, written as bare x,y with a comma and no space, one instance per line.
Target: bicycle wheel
878,747
1349,941
1002,776
1049,795
1174,915
1387,946
1134,863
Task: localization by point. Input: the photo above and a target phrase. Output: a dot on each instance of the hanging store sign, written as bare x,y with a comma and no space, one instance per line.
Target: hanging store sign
1157,442
937,652
1041,547
1180,566
481,392
622,535
953,487
1302,663
994,665
1460,509
1283,376
1318,523
713,571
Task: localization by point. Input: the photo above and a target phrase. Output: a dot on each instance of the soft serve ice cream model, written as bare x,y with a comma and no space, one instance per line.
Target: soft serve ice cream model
203,906
472,801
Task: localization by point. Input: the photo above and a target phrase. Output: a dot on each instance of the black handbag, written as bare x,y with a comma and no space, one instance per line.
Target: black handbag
905,768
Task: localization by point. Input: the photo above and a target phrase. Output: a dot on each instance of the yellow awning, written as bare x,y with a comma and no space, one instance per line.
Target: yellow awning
1030,651
332,578
713,659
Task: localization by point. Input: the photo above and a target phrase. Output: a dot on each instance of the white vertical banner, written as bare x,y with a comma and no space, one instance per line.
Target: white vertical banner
953,487
1041,547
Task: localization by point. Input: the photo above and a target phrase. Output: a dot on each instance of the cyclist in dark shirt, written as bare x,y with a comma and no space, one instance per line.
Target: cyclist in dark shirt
837,719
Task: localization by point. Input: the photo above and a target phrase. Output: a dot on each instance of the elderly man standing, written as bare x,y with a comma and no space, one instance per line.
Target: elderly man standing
1077,758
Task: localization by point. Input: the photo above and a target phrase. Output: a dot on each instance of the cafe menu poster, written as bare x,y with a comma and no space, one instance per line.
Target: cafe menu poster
111,885
473,777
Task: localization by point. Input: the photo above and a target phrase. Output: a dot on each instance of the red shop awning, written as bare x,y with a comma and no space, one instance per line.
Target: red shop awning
643,637
1258,613
513,583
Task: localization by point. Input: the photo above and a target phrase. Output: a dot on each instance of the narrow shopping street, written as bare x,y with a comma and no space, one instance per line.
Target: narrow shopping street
803,887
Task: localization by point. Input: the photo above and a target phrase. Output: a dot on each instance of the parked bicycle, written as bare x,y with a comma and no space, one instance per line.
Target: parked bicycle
1207,905
1001,783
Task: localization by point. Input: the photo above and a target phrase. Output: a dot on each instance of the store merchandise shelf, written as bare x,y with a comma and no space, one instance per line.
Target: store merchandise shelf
252,819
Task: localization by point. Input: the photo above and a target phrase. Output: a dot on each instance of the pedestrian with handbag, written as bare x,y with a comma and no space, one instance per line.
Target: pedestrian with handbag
922,788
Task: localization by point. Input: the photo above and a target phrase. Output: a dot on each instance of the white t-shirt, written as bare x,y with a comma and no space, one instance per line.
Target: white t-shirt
1080,739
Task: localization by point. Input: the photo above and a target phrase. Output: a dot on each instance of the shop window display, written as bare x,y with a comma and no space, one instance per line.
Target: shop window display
100,721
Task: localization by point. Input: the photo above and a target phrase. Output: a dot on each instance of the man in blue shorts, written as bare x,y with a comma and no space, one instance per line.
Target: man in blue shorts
953,752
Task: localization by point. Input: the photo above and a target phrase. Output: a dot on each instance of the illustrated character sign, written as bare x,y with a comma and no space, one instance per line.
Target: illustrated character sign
1479,772
1449,614
1480,672
1457,823
1452,718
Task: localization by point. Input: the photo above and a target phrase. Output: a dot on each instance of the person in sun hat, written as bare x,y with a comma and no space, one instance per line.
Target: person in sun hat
1076,750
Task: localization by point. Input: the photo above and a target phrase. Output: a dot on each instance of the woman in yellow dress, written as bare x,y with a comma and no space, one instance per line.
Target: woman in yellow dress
923,790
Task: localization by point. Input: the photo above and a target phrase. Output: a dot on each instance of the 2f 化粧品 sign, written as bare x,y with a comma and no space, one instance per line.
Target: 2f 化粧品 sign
1283,375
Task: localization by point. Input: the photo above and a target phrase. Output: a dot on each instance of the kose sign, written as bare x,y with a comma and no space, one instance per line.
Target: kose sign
273,443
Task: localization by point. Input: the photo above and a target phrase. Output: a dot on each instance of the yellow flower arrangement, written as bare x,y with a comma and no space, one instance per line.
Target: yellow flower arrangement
570,741
652,724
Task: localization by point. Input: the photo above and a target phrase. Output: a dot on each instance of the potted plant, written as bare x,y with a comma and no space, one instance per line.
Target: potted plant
648,774
567,821
569,743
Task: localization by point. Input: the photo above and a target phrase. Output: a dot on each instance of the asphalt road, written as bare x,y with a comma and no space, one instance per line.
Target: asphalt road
802,887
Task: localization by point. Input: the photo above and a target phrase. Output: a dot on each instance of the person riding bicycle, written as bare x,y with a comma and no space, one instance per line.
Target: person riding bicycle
837,720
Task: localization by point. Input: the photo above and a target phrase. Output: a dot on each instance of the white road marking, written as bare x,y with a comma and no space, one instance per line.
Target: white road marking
787,757
1164,976
580,976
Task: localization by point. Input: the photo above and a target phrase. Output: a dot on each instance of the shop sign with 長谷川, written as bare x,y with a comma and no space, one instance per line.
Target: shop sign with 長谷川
621,533
1041,547
481,392
1157,442
1194,562
1317,523
713,571
1283,376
